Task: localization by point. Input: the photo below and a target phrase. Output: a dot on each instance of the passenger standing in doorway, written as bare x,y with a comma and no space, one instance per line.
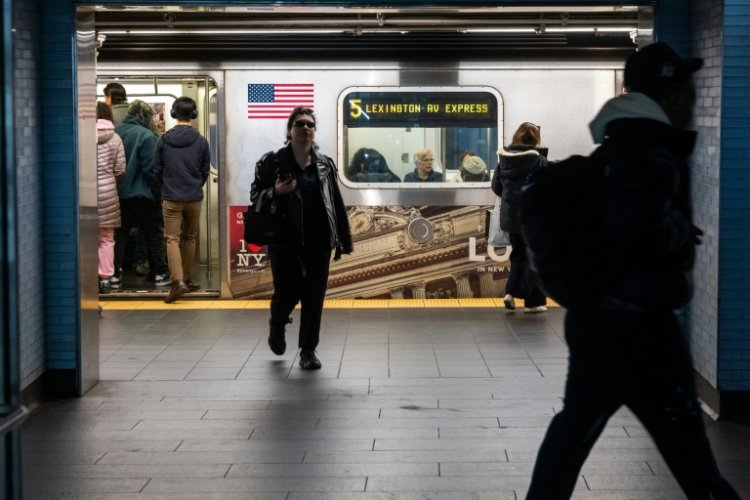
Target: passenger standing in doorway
629,348
303,183
181,167
423,172
517,162
117,98
110,169
140,196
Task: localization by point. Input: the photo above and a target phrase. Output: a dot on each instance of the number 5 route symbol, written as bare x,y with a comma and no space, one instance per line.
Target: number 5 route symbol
356,109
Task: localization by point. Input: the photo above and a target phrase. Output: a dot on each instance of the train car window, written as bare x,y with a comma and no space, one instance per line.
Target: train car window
418,137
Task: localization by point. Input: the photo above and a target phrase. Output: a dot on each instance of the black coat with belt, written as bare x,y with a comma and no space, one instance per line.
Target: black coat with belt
262,194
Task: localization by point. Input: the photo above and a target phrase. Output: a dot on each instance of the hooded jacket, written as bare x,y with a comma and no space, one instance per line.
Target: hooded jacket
181,164
517,162
140,146
262,197
119,112
110,168
647,221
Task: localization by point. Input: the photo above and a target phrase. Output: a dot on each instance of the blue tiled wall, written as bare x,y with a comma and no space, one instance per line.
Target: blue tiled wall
719,321
734,257
29,181
705,41
60,187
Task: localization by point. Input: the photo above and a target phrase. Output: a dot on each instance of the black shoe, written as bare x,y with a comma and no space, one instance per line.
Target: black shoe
309,361
276,340
192,286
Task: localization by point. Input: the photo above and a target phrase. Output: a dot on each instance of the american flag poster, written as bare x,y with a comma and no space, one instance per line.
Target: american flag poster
277,100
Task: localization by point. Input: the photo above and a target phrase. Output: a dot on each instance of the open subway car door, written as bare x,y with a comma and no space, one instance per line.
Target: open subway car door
135,277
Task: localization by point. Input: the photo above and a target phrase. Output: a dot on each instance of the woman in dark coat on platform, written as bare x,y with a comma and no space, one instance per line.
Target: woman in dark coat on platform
517,162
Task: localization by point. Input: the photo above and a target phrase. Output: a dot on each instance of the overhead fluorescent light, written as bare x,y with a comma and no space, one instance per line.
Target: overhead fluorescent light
359,30
498,30
137,32
590,29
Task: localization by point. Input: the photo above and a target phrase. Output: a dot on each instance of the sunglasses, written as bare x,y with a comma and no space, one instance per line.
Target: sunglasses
304,123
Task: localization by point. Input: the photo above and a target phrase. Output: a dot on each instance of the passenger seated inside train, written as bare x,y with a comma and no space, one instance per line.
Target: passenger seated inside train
368,165
473,169
423,171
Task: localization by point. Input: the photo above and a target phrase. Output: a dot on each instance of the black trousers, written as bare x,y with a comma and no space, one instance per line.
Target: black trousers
521,279
147,215
641,360
300,275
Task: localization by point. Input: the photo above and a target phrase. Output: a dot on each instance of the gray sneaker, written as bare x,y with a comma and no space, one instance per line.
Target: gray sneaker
114,283
162,280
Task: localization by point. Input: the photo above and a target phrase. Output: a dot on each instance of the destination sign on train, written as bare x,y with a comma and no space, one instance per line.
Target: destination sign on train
420,109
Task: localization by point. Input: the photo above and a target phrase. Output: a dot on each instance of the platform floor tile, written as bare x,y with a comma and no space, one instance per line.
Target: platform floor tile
412,403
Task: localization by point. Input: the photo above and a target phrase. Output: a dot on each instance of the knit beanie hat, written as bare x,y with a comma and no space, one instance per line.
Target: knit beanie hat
474,165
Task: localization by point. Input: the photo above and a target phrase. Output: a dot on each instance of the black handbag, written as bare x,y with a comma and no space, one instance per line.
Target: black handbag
262,227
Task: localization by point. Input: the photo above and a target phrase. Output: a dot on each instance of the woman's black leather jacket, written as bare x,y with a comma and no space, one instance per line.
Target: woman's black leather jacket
290,205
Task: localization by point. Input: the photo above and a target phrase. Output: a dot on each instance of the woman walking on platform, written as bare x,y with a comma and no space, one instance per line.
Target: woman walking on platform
303,184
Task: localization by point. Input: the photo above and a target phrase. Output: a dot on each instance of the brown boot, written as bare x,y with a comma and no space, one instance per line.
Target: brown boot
179,288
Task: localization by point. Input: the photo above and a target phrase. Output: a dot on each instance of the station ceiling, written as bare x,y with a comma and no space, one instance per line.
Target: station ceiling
231,33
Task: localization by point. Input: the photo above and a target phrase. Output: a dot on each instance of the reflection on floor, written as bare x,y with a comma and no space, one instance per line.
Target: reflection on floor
411,403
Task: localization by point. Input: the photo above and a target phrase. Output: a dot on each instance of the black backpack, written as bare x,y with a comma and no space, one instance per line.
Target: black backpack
562,214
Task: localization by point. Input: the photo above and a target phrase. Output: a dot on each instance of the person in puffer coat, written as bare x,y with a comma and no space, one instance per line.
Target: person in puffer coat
181,166
110,168
517,162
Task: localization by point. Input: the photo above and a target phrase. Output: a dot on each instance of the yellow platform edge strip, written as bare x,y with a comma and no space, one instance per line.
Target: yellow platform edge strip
159,305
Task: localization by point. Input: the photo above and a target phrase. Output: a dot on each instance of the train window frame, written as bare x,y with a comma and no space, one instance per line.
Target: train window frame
346,153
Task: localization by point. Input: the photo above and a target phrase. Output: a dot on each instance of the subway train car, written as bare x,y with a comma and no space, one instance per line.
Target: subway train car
375,109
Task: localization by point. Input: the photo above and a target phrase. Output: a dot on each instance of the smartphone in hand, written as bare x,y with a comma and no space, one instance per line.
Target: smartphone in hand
284,176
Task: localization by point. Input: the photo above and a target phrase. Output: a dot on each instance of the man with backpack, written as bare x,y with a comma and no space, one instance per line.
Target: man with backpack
626,344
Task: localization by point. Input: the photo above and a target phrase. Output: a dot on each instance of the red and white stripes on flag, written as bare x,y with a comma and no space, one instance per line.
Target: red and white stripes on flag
277,100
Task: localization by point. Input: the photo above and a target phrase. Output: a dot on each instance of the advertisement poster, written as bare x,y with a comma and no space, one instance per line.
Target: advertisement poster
399,252
248,263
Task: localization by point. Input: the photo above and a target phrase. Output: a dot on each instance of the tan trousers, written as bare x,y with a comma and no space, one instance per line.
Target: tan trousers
181,220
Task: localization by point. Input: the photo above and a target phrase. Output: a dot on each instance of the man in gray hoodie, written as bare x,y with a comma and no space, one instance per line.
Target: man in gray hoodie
628,348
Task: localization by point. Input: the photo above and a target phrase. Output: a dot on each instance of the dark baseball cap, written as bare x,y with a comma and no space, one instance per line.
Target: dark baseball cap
654,68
